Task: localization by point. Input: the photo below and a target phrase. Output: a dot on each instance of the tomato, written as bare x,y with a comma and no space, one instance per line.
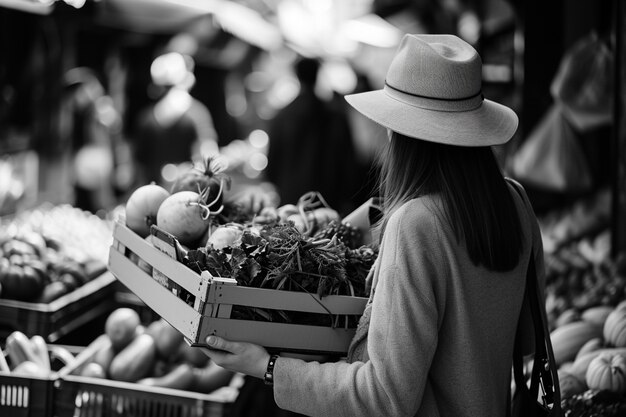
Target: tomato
142,207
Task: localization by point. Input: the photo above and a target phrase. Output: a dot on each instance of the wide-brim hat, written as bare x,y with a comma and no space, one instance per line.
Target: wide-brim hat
433,92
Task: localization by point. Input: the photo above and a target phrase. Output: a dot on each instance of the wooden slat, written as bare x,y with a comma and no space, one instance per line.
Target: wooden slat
180,315
285,300
174,270
288,337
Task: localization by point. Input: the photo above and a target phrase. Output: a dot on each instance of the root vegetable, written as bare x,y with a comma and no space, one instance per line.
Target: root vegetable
185,216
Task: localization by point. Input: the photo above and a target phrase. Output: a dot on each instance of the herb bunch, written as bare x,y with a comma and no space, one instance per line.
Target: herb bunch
280,257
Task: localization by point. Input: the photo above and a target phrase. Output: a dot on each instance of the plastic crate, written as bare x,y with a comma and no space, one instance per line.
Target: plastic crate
61,316
94,397
202,305
26,396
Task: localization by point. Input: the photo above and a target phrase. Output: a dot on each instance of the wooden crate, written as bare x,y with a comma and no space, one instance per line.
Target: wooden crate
199,305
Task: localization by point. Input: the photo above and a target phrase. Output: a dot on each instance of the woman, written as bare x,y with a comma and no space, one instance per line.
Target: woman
436,338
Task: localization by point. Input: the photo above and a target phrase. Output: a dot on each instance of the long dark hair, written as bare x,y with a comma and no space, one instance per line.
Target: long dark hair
476,198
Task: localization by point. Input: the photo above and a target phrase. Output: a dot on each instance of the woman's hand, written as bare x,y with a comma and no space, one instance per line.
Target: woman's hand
247,358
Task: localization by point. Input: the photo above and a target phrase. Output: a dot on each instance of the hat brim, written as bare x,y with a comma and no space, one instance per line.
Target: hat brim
489,124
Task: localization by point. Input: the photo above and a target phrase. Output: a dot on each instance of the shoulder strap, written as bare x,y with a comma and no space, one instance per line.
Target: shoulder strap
544,370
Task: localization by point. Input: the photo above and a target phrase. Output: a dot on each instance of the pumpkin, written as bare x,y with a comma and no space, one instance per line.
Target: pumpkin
581,364
607,372
569,338
614,329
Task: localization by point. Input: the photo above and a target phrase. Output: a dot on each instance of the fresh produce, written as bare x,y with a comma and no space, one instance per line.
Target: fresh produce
580,365
142,207
157,357
569,338
34,268
570,384
607,371
121,326
20,349
167,338
40,348
180,377
614,329
593,403
590,346
207,179
93,370
185,215
191,355
225,235
32,357
596,315
135,361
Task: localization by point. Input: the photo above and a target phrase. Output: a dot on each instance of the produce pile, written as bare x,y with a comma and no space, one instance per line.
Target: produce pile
51,251
296,247
590,352
32,356
586,307
155,355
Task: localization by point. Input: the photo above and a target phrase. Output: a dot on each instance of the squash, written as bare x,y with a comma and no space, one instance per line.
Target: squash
596,315
591,345
569,338
580,365
607,372
567,316
570,385
614,329
135,361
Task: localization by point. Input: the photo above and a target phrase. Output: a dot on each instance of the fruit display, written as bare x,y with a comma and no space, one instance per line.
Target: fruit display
154,355
50,251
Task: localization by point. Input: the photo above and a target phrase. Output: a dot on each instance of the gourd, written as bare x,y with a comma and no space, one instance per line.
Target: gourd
581,364
590,346
614,329
607,372
596,315
569,338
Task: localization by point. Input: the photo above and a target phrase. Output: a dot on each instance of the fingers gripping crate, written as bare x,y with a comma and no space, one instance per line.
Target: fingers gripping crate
202,305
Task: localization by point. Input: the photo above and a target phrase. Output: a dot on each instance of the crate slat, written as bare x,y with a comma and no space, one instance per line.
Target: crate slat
158,298
285,300
275,336
175,271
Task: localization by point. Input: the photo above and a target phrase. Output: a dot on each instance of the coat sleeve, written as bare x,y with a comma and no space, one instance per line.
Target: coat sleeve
401,341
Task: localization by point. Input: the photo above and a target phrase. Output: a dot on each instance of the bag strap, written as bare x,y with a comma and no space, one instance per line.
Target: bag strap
544,370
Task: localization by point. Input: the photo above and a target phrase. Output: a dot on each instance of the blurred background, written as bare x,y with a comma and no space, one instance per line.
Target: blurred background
98,97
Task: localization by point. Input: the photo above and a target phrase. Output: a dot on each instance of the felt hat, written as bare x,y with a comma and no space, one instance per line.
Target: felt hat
433,92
